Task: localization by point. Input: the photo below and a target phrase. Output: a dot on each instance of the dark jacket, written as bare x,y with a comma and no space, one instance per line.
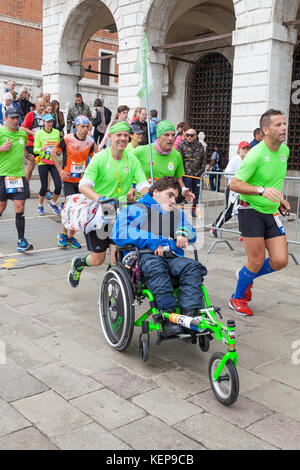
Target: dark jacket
193,157
75,111
144,127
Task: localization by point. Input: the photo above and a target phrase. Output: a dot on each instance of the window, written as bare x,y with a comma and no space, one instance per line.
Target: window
106,67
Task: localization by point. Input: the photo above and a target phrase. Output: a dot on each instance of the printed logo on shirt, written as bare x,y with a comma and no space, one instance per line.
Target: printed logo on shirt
267,158
283,158
21,141
171,166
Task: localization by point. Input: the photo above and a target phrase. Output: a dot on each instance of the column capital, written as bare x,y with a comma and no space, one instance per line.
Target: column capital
264,32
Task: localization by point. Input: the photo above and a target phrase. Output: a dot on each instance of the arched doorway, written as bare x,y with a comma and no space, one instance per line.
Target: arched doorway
209,99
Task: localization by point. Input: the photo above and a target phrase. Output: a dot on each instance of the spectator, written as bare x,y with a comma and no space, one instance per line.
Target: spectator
142,124
47,98
59,117
101,117
230,197
136,113
215,165
78,109
136,137
181,129
153,124
122,113
24,101
16,104
258,137
194,160
6,103
11,84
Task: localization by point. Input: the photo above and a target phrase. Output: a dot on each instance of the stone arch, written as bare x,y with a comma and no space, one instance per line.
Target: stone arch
283,12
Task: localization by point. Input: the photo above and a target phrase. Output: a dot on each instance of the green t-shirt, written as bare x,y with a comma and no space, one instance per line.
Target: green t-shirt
130,148
263,167
163,165
12,161
110,175
50,139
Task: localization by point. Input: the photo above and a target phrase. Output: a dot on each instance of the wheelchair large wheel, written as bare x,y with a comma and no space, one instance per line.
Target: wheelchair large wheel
226,388
116,308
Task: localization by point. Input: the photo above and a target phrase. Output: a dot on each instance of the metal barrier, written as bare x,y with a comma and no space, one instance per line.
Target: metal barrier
218,209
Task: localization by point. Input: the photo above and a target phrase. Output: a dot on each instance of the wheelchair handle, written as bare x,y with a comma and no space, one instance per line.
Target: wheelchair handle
107,201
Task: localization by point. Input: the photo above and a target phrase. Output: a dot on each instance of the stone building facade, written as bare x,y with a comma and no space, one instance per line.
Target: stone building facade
257,60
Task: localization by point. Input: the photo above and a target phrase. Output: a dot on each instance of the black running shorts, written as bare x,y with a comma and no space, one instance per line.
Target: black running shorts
19,196
98,241
256,224
70,188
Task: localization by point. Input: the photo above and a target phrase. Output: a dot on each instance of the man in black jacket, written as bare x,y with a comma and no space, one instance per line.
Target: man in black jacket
142,123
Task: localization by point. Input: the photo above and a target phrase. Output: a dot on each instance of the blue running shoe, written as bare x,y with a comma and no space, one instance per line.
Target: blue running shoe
49,195
73,243
55,209
74,273
62,240
41,210
23,245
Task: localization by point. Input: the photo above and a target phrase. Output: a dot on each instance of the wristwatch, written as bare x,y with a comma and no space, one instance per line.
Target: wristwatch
260,190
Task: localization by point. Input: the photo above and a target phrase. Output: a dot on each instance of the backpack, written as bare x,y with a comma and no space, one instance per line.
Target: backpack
222,160
96,121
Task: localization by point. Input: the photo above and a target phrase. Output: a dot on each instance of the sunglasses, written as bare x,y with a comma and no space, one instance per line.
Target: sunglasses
191,135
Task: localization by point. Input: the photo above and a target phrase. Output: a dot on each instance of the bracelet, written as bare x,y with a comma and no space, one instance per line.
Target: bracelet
183,189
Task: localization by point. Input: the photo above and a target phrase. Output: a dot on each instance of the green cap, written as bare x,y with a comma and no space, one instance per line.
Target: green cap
121,126
164,126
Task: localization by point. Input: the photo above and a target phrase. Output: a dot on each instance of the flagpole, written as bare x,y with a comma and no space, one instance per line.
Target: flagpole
149,134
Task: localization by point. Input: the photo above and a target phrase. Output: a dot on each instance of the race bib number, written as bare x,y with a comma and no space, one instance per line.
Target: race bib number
77,170
279,223
47,157
13,185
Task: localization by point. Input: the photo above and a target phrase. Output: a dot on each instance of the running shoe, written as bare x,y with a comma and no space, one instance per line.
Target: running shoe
23,245
73,243
49,195
240,306
41,210
55,209
248,292
213,232
62,240
74,273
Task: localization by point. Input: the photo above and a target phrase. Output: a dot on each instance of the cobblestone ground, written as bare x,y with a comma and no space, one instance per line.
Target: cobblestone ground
63,387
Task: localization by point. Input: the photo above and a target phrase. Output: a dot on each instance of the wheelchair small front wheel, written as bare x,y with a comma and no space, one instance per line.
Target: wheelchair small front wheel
226,388
144,349
116,308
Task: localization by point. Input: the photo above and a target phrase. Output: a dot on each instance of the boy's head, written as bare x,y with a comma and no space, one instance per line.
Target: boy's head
165,191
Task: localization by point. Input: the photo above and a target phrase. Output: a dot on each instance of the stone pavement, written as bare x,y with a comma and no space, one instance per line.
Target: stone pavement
63,387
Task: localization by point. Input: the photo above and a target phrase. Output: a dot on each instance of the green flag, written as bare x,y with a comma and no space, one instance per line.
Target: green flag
143,68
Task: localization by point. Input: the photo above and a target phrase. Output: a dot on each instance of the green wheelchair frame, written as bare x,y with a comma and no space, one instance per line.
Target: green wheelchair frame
119,294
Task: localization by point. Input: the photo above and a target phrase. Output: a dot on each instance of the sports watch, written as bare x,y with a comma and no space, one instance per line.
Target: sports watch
260,190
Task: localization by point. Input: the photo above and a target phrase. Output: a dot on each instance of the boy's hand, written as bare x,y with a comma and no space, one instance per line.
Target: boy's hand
182,242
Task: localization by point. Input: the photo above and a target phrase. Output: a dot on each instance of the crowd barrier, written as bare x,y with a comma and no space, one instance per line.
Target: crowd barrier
215,204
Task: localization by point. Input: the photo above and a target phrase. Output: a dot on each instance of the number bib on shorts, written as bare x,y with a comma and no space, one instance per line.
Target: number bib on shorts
77,170
13,185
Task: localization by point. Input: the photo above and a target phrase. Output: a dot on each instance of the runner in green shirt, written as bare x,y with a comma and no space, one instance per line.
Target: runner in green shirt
13,183
166,160
45,141
110,174
259,180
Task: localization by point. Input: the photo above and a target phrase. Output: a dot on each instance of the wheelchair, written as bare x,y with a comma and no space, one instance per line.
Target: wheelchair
123,288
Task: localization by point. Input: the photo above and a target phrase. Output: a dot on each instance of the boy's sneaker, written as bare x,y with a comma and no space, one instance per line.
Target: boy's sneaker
73,243
248,292
213,232
62,240
49,195
55,209
240,306
74,273
41,210
23,245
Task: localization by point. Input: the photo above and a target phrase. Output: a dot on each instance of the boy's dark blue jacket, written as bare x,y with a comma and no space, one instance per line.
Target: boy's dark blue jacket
128,229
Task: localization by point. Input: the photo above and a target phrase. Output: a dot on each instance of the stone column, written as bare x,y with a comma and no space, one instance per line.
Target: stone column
262,72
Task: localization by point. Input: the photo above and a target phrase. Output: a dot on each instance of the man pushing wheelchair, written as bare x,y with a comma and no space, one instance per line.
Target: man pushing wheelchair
155,224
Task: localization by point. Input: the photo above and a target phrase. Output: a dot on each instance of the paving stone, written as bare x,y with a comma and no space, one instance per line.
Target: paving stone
181,382
16,383
10,419
51,414
282,370
249,379
217,434
90,437
279,430
74,354
242,413
54,319
123,382
10,315
277,397
108,409
32,329
67,382
150,433
26,439
167,406
80,331
268,342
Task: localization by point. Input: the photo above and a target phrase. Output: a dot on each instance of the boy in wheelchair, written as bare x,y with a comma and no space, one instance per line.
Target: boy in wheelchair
155,224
